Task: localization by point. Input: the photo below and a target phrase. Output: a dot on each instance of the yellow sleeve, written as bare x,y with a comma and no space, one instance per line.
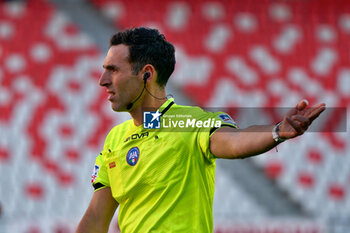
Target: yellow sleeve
100,176
204,134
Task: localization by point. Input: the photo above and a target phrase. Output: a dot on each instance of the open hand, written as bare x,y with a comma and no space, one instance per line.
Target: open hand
298,119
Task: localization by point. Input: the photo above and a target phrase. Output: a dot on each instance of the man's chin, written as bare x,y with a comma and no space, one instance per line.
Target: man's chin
119,108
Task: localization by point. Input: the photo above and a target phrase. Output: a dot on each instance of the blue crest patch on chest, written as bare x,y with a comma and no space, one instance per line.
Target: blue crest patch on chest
133,156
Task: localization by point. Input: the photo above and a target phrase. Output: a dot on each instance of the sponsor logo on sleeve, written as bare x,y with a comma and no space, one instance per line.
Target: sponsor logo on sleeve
95,172
227,119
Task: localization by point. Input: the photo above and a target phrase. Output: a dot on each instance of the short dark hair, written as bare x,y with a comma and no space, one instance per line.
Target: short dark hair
148,46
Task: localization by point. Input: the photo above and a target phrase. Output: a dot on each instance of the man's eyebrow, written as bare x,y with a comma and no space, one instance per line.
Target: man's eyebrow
110,67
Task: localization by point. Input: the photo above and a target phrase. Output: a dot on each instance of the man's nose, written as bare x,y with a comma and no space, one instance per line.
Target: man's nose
104,79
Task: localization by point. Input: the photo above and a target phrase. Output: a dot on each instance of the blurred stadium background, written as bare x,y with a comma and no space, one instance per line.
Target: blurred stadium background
230,53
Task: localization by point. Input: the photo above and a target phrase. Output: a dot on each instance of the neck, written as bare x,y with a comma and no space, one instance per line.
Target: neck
147,102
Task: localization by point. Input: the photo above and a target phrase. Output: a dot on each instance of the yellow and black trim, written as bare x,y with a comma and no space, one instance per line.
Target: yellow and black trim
212,130
98,185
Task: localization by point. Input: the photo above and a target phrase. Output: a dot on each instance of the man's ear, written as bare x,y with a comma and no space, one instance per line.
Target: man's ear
148,72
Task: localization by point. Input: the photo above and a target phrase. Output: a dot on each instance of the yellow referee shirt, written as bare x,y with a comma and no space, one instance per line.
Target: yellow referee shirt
163,179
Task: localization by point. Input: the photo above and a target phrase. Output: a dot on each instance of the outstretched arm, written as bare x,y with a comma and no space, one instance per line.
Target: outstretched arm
240,143
99,213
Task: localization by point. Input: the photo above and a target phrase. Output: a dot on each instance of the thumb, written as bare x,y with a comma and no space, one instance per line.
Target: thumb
302,105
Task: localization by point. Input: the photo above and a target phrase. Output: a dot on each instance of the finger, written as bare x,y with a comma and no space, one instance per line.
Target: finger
319,105
302,105
315,112
295,125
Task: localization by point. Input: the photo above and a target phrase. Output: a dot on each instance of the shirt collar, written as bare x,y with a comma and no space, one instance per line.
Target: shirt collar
166,105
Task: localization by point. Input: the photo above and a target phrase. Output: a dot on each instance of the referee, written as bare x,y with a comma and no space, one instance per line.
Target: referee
159,167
